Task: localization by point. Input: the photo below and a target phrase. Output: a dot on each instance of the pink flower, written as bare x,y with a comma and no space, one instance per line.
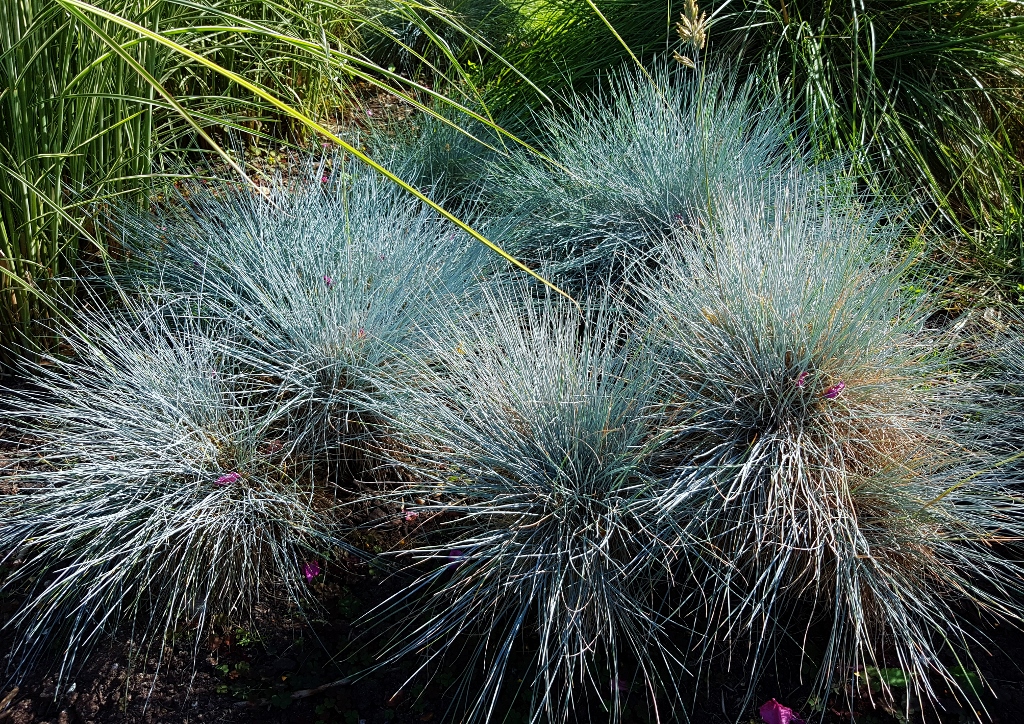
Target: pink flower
411,516
311,569
772,712
833,392
369,112
229,478
361,334
327,280
801,379
323,179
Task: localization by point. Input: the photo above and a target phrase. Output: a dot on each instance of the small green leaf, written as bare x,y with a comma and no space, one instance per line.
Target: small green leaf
282,701
968,679
890,677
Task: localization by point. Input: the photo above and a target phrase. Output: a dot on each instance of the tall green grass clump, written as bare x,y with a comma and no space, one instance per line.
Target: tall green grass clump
157,490
532,436
929,91
441,40
552,48
318,284
839,462
65,125
92,112
632,164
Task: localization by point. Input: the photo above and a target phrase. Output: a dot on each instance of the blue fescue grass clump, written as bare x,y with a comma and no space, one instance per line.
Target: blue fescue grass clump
157,491
632,164
748,433
534,433
442,156
841,469
999,348
312,284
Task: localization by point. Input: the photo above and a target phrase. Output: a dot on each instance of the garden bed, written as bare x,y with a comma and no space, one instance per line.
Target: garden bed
250,677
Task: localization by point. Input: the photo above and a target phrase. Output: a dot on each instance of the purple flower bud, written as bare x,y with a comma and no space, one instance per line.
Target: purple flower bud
801,379
229,478
311,569
361,334
454,558
833,392
772,712
328,280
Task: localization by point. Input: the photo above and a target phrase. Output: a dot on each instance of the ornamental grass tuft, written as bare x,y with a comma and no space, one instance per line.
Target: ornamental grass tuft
532,439
314,284
839,464
156,490
630,165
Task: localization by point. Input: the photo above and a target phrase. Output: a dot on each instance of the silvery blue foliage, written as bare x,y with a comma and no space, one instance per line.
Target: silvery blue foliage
631,165
313,284
534,432
157,489
447,157
832,455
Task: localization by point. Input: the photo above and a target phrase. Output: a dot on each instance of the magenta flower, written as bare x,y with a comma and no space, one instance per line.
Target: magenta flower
311,569
229,478
327,280
411,516
361,334
323,179
772,712
801,379
833,392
